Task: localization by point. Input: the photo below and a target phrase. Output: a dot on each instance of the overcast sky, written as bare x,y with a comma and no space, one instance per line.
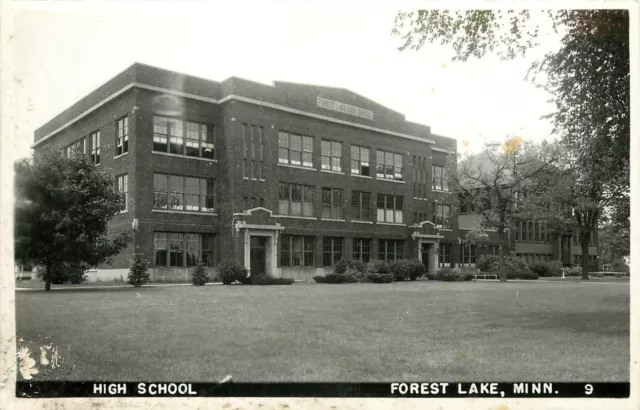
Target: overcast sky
64,53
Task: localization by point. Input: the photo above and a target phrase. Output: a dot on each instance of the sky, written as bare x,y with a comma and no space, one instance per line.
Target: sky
63,52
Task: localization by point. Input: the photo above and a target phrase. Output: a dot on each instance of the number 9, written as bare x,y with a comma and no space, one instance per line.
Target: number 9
588,389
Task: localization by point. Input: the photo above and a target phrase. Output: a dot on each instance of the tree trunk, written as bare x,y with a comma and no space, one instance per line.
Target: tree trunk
503,273
584,244
47,278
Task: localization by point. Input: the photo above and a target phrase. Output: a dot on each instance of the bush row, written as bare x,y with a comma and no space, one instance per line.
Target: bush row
402,269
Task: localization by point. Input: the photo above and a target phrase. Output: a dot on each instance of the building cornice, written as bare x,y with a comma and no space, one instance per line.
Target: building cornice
232,97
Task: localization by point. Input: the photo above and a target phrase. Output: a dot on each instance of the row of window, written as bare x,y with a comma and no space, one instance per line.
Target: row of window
300,250
532,231
592,239
182,193
179,137
121,140
183,250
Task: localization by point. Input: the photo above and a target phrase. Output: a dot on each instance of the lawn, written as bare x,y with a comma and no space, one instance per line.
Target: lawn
427,331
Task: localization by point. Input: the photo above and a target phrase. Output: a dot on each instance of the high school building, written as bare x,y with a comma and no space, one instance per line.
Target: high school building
285,178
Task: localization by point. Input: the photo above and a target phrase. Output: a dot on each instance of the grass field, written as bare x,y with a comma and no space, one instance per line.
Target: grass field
359,332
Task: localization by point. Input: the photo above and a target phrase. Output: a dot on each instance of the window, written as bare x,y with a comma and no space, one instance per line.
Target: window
362,249
444,255
390,250
122,136
388,165
441,216
361,206
530,231
390,208
95,147
296,200
199,140
525,231
78,147
123,190
182,193
536,234
468,253
360,161
440,178
419,177
332,204
295,149
297,250
518,230
253,152
331,250
331,155
183,249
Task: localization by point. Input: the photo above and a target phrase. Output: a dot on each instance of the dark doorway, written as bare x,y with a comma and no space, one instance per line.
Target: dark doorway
425,256
257,256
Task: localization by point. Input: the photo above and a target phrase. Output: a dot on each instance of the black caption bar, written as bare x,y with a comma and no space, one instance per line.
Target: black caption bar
44,389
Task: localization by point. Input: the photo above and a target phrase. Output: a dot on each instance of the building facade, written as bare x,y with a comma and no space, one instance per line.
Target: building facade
287,179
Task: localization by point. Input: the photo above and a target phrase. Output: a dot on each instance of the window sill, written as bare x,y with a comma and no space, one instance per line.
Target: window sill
297,167
123,212
391,180
362,222
440,190
332,220
175,211
96,165
361,176
168,154
445,229
328,171
390,223
121,155
420,199
310,218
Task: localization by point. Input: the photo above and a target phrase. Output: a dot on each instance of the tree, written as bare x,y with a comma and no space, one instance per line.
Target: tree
139,272
492,182
62,209
612,247
588,78
200,276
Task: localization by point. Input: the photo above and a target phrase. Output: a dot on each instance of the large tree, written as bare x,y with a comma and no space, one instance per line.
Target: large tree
492,182
62,209
588,78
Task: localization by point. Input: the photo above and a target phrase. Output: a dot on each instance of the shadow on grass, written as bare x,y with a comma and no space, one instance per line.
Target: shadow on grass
113,289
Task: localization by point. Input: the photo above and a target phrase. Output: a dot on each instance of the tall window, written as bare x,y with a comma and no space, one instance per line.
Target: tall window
390,208
332,203
419,177
441,216
182,193
95,147
530,231
78,147
123,190
295,149
537,226
253,152
360,161
297,250
444,255
468,253
361,206
331,155
199,141
296,200
331,250
518,230
390,250
440,178
388,165
122,136
362,249
183,249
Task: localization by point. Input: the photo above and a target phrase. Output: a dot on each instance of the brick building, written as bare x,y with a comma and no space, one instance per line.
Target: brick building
286,178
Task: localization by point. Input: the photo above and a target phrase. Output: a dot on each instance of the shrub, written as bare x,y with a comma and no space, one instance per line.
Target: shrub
69,273
354,275
377,267
488,263
431,275
230,271
452,276
379,277
343,264
199,276
139,272
332,278
528,275
270,280
547,268
416,269
400,269
573,271
597,274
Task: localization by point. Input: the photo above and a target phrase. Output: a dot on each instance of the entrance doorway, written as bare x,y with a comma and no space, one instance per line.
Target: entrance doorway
257,255
425,256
